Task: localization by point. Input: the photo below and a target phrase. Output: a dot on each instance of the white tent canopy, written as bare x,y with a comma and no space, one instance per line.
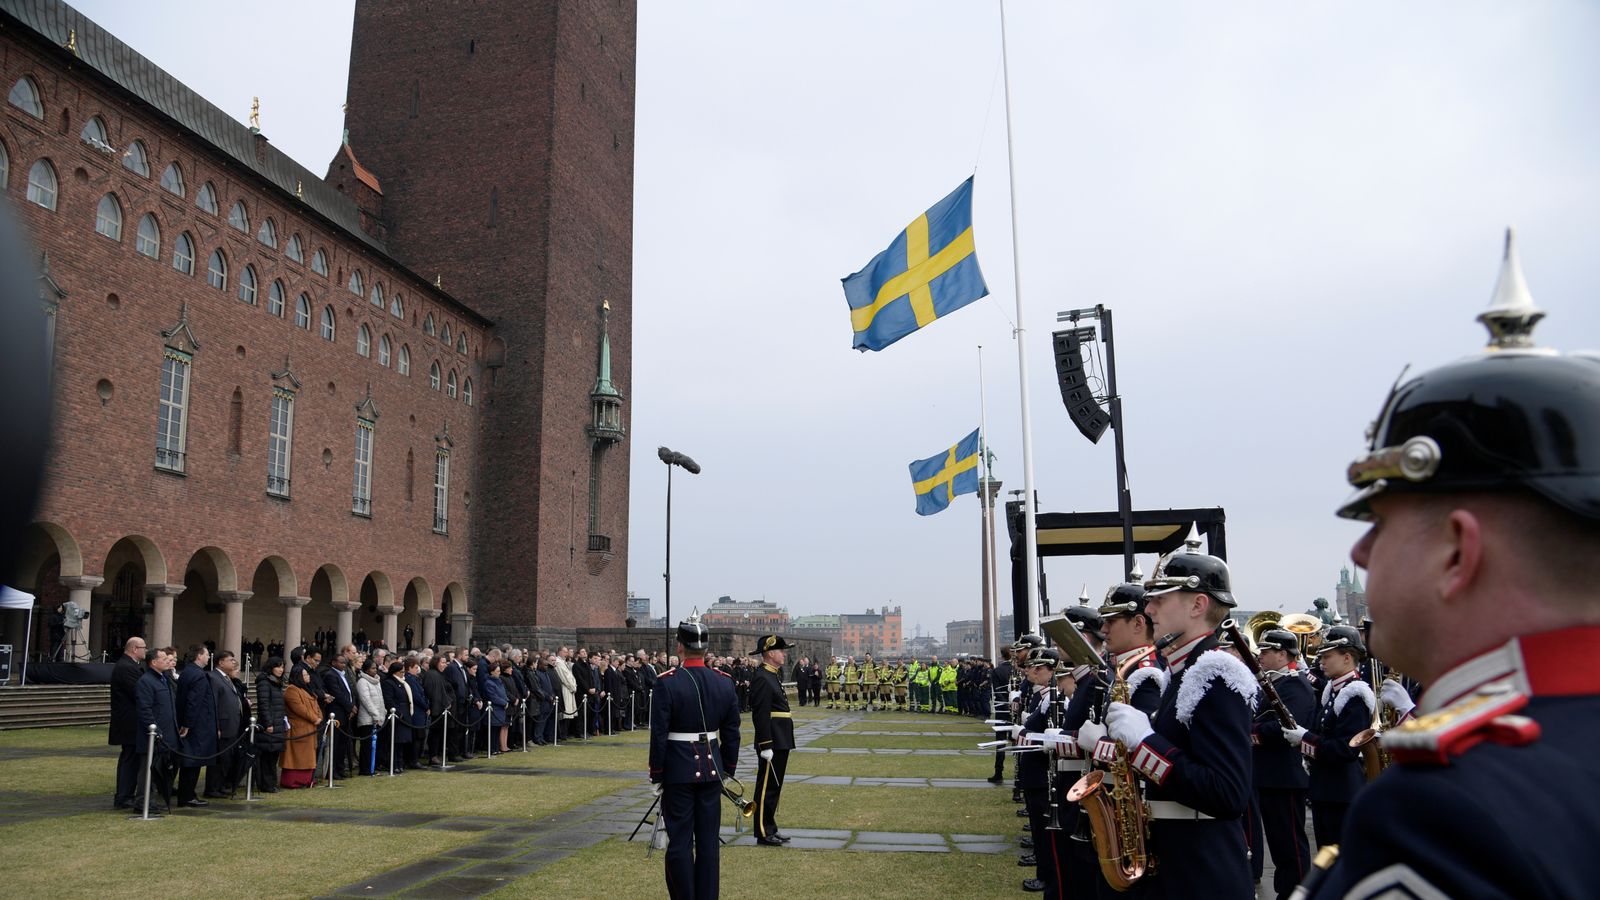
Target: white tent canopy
11,598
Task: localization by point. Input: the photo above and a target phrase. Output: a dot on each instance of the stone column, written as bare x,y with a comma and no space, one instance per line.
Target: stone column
233,619
79,589
461,629
346,626
391,621
291,623
161,626
429,618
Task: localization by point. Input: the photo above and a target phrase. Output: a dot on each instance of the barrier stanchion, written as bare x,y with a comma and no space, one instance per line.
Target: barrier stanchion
250,774
560,708
488,732
583,723
444,742
633,712
524,728
149,766
329,744
392,730
609,717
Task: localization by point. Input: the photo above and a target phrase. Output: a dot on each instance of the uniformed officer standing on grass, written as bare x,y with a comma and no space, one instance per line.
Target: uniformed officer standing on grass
694,745
774,727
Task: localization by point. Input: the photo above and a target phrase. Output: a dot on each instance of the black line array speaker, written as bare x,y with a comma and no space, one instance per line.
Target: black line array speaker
1086,412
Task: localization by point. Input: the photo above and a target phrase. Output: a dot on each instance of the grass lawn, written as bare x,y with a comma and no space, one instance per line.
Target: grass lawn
932,723
73,775
614,869
453,793
903,742
180,857
56,738
943,810
883,766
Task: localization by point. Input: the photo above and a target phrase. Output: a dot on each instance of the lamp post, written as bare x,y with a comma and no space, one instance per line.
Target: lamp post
672,458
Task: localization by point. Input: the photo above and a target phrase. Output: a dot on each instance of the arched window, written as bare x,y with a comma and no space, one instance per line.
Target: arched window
445,335
376,297
433,376
172,179
94,134
268,234
5,166
364,340
403,362
136,159
238,218
319,263
302,313
397,308
327,323
25,96
217,271
450,385
148,240
384,351
42,184
183,254
207,199
427,325
275,299
108,217
355,282
247,285
461,344
294,249
466,391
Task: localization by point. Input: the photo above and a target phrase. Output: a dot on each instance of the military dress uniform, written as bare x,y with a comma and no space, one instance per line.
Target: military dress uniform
1335,766
774,728
1281,780
1033,773
694,744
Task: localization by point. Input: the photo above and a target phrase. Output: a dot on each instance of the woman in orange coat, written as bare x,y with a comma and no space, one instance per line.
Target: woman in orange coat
305,714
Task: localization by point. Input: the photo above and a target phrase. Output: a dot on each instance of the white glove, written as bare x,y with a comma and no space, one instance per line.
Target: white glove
1016,732
1393,694
1294,736
1127,725
766,755
655,789
1089,732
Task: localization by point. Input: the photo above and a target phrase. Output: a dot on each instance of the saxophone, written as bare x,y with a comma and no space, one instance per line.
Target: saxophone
1119,820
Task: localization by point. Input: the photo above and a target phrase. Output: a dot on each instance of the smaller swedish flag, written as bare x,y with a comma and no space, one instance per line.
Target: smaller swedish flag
938,479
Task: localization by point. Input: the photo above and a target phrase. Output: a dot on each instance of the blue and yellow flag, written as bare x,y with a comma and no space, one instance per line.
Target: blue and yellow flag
938,479
930,270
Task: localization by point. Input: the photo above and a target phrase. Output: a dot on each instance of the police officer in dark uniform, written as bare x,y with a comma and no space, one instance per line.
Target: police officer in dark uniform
1346,709
774,727
1482,485
694,745
1195,751
1280,772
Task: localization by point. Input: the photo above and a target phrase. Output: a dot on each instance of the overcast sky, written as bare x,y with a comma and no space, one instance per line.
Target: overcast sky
1282,203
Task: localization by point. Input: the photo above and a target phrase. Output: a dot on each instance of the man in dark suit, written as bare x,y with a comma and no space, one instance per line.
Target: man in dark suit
341,708
587,691
233,710
124,730
197,722
457,674
157,702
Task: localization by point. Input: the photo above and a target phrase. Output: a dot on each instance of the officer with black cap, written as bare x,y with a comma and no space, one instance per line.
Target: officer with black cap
774,727
1345,710
1195,751
1033,770
1482,484
1280,771
694,745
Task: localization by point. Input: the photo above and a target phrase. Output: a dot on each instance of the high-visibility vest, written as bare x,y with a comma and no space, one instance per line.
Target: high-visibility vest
921,678
947,679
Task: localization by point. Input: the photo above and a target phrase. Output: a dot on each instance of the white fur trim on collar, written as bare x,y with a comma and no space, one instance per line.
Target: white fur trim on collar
1211,665
1357,688
1140,676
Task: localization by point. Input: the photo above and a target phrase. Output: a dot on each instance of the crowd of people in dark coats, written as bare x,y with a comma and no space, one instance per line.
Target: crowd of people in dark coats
353,712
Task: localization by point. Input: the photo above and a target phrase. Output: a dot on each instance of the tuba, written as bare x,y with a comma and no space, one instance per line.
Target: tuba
1306,627
1260,624
1119,819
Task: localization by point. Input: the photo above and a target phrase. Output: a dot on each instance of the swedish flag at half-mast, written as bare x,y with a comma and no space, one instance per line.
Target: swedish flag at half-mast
938,479
930,270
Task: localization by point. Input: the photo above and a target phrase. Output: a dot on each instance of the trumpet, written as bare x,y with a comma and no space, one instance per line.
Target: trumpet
735,795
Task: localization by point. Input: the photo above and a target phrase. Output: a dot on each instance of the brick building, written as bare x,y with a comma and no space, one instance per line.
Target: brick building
878,633
758,616
380,400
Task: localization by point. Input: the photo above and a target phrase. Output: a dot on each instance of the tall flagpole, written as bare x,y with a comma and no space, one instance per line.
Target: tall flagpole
1030,514
991,618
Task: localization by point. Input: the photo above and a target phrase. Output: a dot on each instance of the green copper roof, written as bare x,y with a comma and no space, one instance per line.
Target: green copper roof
603,386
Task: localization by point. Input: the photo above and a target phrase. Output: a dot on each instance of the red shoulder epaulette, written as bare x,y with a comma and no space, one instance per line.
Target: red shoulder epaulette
720,672
1483,715
668,672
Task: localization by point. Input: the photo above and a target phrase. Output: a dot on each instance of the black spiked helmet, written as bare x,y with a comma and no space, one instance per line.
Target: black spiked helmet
1342,637
1043,656
1279,639
1193,571
1029,641
1515,417
1126,599
692,634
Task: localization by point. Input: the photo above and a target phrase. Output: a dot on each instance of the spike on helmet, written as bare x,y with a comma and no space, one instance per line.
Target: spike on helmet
1200,573
692,634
